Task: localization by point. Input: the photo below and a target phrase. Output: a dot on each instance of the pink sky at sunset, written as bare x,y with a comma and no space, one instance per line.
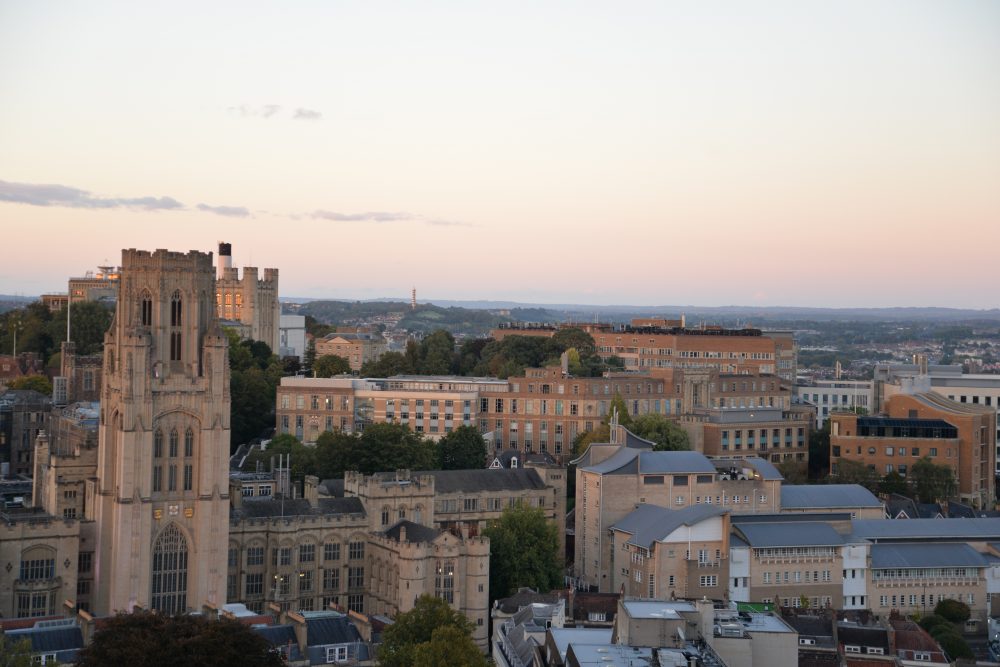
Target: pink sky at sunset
779,153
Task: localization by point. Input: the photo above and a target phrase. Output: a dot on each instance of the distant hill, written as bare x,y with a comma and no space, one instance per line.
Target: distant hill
425,318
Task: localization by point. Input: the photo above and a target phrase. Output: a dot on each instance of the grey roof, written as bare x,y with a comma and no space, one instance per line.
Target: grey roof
648,523
675,462
635,442
822,517
926,529
498,479
330,629
415,532
280,636
853,634
271,508
51,639
925,555
617,462
764,468
806,534
524,597
827,495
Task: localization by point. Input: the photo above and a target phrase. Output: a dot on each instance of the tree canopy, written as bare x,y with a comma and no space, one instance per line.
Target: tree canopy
254,375
618,406
38,383
931,481
448,647
412,636
462,449
329,365
583,440
662,431
953,611
379,448
155,640
524,551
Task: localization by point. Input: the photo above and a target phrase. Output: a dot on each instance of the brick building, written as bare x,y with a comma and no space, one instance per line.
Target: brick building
958,435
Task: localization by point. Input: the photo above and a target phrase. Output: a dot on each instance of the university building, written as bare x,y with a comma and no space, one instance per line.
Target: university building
248,304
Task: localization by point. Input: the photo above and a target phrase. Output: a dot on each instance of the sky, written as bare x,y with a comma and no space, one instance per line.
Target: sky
788,152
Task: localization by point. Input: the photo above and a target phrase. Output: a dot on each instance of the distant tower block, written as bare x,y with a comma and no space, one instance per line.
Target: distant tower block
413,299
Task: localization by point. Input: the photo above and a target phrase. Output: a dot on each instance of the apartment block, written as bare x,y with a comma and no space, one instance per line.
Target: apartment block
918,425
828,396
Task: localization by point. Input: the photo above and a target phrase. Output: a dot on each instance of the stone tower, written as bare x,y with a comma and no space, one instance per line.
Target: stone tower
161,496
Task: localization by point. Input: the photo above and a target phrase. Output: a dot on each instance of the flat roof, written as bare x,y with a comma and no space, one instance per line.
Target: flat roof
668,609
923,529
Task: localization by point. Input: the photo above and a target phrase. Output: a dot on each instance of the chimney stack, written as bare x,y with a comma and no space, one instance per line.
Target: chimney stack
225,259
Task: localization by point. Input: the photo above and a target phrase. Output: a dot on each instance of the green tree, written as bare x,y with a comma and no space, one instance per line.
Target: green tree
893,482
524,551
437,353
819,452
601,434
90,321
329,365
254,375
932,482
156,640
303,458
855,472
387,365
663,432
448,647
462,449
618,405
379,448
15,653
794,472
953,611
38,383
401,640
309,358
932,621
955,646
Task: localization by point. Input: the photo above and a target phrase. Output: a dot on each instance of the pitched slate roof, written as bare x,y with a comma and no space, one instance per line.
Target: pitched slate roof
281,636
797,496
807,534
459,481
675,462
926,529
648,523
415,532
270,508
330,629
925,555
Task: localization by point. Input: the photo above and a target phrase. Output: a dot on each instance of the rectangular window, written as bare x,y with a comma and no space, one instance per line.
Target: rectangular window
355,577
356,550
254,584
34,570
255,556
157,478
307,553
708,580
171,478
188,477
86,561
331,579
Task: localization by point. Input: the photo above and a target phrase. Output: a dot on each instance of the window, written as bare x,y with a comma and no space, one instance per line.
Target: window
336,654
31,605
307,553
171,478
305,581
188,477
708,580
356,550
169,571
158,444
173,443
355,577
255,556
146,310
86,561
444,581
38,569
331,579
255,585
188,443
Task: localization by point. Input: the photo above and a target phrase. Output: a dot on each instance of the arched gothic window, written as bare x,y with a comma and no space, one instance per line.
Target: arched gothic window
173,442
189,443
158,444
169,574
175,324
146,309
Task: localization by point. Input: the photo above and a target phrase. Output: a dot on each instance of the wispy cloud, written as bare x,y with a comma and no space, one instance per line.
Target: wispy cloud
45,194
228,211
372,216
249,111
385,216
307,114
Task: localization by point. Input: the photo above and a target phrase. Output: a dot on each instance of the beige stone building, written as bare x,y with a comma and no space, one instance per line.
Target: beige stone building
357,347
612,479
65,459
248,304
161,493
660,553
39,553
409,560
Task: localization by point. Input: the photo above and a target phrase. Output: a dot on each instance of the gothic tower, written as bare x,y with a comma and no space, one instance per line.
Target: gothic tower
161,496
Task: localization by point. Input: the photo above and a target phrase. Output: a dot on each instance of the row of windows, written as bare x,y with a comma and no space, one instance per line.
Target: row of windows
172,447
797,577
306,553
172,478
